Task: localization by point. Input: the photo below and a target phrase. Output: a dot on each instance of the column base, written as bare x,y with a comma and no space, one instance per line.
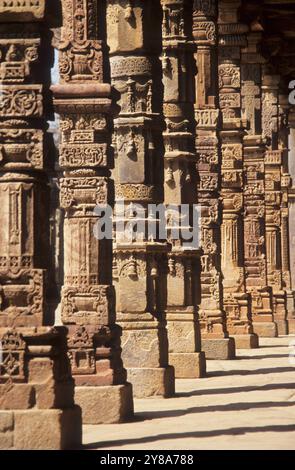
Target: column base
188,365
250,341
291,326
265,329
106,404
282,327
33,429
219,348
148,382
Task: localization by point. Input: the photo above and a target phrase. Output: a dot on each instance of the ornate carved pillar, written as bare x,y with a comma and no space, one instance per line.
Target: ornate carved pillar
140,264
179,188
36,389
254,186
291,221
273,197
215,341
283,142
83,100
236,301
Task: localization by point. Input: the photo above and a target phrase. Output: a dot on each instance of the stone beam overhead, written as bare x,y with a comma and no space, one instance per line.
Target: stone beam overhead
22,10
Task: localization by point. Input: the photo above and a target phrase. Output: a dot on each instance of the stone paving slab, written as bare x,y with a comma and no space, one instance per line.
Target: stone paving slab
247,403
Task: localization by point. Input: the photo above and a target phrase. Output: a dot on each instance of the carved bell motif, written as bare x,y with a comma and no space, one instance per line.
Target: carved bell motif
132,268
169,176
131,148
166,64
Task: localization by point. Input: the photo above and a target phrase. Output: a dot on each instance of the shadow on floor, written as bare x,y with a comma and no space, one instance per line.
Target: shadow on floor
196,435
248,388
265,356
148,415
269,370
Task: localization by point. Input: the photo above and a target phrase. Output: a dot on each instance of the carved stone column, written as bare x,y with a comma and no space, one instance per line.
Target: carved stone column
236,301
140,264
281,320
84,102
291,221
36,389
254,166
180,188
273,197
215,341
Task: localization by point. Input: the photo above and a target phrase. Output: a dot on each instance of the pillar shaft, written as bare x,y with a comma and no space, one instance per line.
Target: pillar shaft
180,188
84,102
140,264
232,37
273,196
36,389
215,341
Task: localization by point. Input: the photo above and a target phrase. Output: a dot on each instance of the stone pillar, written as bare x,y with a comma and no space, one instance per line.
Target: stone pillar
291,222
254,189
215,340
179,188
236,301
37,408
84,103
140,264
254,200
284,109
273,197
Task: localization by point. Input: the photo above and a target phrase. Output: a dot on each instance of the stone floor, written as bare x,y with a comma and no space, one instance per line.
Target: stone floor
248,403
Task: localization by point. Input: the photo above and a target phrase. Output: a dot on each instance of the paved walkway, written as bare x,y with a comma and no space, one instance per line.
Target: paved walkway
248,403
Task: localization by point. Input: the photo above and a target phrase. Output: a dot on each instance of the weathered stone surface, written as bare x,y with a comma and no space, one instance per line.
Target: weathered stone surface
6,429
148,382
219,348
16,396
196,111
105,405
265,329
47,429
21,10
188,365
246,341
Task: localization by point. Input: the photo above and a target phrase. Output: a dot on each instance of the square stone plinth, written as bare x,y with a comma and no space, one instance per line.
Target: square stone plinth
41,429
265,329
105,404
250,341
188,365
282,327
291,326
148,382
219,348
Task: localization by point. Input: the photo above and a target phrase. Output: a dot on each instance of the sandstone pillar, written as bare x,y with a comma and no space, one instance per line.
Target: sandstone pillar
236,301
180,188
254,172
215,340
284,130
273,197
83,100
140,263
37,408
291,222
